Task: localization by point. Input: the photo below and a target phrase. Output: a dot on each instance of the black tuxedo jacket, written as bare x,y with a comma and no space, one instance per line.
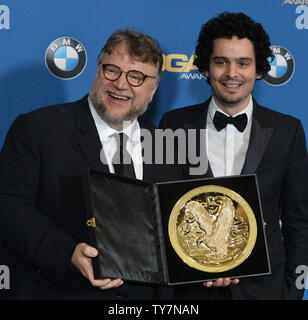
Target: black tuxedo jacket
42,212
277,154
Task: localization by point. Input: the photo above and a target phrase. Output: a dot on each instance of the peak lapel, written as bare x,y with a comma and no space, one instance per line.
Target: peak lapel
259,138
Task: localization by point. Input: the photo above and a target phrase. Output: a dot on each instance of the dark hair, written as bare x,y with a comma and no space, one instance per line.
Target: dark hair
140,47
227,25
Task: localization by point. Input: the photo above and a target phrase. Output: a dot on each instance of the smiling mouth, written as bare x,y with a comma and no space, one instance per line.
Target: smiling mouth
232,85
118,97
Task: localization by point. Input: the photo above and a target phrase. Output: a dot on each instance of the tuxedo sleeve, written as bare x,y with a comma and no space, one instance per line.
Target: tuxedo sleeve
295,208
23,227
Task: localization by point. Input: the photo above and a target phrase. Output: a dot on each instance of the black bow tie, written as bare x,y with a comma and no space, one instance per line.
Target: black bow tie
220,121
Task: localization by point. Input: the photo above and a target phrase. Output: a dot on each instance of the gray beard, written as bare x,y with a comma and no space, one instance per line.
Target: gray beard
102,111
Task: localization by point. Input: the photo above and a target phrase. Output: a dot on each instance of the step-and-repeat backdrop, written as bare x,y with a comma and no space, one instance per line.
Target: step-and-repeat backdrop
35,35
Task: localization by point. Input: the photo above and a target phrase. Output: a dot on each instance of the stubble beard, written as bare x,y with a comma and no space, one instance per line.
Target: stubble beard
228,102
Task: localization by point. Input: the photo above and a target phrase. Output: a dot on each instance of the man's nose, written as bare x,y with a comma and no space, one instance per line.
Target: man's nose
231,70
121,83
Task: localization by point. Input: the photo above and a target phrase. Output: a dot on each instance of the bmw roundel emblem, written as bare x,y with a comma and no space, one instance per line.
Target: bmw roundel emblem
66,58
282,67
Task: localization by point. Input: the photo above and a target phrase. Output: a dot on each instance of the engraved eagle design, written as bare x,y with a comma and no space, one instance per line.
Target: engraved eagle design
214,217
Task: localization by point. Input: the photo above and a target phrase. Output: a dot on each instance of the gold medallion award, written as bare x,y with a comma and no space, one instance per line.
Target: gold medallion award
212,228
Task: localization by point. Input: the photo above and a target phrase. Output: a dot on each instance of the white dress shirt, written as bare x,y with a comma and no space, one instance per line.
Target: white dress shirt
227,148
109,142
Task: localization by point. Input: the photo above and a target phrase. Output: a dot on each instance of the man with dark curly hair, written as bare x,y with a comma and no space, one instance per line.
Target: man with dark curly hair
233,51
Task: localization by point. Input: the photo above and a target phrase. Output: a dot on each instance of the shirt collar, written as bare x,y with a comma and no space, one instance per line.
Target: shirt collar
105,131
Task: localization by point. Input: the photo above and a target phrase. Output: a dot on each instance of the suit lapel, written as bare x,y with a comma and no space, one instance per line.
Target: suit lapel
88,138
259,138
198,121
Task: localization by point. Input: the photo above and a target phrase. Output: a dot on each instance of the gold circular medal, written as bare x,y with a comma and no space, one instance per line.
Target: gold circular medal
212,228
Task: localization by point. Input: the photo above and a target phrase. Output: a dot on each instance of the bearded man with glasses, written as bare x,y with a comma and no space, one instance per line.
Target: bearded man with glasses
42,215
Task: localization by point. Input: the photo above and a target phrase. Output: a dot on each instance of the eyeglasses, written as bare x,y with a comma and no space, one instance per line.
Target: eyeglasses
134,78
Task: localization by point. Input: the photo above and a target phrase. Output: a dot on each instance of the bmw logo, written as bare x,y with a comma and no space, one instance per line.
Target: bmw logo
66,58
282,67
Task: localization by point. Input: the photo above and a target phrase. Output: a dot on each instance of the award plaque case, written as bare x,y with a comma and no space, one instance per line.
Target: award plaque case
132,223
